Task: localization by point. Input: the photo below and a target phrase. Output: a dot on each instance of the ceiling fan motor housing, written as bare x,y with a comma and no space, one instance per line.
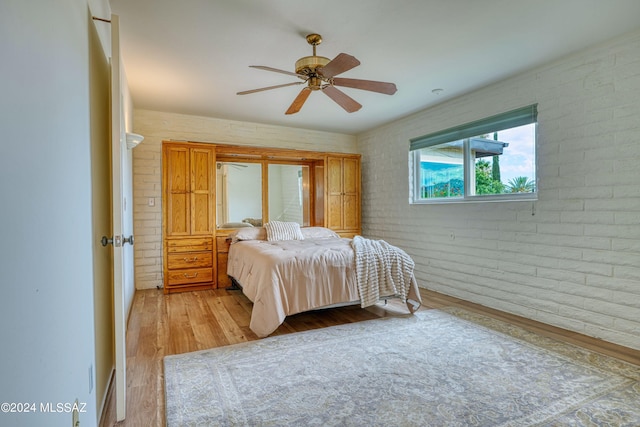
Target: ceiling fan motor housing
309,64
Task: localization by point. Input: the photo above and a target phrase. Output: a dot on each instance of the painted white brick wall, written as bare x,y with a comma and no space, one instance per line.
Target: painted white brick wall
571,258
147,168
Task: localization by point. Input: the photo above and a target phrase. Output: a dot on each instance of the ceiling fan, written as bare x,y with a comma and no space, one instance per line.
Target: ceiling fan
319,73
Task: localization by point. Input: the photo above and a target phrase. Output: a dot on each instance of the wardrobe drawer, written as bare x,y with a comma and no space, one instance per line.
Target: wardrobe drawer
190,276
189,260
189,245
222,244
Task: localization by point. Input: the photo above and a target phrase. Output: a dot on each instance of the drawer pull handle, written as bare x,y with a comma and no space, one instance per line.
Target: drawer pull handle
194,259
190,277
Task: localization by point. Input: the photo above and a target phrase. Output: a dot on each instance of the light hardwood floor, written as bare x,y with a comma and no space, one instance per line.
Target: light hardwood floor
161,325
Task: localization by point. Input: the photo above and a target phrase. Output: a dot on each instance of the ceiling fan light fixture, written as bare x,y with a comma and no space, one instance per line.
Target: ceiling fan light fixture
133,139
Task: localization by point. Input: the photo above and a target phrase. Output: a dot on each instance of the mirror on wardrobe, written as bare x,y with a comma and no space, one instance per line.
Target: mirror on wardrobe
288,188
239,193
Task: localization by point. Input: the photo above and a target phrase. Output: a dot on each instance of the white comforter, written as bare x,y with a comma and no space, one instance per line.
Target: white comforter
287,277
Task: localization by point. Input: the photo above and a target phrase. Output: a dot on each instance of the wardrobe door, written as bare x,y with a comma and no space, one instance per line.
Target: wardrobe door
202,191
351,194
177,181
343,195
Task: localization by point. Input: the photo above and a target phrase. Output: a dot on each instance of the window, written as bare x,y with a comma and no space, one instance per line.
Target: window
489,159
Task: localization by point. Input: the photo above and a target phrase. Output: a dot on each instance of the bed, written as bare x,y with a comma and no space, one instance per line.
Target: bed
284,270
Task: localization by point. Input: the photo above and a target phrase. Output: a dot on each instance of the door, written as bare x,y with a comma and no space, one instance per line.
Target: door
350,194
175,161
101,216
202,164
343,194
188,176
334,193
118,138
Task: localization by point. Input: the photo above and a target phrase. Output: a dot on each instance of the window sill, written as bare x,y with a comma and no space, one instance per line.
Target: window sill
523,197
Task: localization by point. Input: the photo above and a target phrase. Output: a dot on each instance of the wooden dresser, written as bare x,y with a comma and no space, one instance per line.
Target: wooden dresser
189,263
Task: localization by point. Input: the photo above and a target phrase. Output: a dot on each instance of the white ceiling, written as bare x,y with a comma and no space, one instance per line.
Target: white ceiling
192,56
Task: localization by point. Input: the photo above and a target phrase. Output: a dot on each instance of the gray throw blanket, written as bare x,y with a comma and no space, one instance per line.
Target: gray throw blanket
381,270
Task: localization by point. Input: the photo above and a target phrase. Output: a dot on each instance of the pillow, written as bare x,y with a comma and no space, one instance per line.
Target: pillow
248,233
256,222
318,233
279,230
235,225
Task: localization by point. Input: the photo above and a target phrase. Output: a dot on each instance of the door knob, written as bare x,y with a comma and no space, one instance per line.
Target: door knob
115,241
128,240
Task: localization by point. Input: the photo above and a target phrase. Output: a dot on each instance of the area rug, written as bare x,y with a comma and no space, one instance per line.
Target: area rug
436,368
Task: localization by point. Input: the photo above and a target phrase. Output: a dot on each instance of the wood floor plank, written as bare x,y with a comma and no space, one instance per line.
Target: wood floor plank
231,327
161,325
181,337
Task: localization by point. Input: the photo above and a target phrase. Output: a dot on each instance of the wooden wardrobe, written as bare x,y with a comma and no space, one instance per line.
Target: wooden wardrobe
188,214
195,247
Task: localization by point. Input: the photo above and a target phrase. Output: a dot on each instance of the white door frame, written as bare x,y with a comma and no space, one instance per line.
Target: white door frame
118,140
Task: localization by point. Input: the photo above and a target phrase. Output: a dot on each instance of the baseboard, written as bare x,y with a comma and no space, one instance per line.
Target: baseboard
106,399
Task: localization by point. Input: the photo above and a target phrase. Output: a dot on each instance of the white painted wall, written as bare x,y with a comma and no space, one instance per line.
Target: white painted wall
147,168
46,308
570,259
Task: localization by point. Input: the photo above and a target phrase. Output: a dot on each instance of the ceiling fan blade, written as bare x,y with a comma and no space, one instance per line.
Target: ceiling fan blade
370,85
338,65
276,70
342,99
268,88
297,103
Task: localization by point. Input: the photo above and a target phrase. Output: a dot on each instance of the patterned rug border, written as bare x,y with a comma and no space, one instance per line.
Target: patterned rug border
570,352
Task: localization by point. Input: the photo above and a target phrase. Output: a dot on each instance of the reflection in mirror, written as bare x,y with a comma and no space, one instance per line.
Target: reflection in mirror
289,193
238,194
